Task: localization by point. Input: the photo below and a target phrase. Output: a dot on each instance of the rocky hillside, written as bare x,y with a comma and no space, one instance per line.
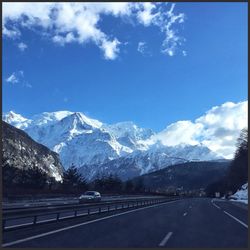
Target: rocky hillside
21,151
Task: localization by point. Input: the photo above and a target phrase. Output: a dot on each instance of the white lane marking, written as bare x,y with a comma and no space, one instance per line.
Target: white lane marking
185,214
81,224
216,205
242,223
166,238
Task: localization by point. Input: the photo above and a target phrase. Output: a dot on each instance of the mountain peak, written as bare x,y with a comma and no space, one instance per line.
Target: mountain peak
15,119
86,120
11,115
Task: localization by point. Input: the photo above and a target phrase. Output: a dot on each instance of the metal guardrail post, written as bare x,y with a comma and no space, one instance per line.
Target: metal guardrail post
122,205
35,219
100,210
88,211
108,208
57,216
4,224
75,213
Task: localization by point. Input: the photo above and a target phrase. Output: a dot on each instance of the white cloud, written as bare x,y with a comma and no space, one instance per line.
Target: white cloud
145,14
218,129
12,78
18,78
172,40
141,47
22,46
15,77
28,85
180,132
110,49
79,22
222,126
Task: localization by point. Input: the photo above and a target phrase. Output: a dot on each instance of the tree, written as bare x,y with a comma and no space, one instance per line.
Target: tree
129,186
238,170
237,174
73,180
37,178
52,184
110,183
139,185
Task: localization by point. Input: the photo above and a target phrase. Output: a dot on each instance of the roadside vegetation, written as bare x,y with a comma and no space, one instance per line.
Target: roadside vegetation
34,181
237,174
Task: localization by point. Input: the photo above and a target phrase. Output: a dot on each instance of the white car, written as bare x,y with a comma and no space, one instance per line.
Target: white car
90,196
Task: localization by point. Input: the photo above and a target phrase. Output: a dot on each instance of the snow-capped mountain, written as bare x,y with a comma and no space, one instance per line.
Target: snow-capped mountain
155,158
16,120
75,137
129,134
122,148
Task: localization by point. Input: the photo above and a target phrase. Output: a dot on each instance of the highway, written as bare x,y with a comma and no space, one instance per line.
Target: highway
196,222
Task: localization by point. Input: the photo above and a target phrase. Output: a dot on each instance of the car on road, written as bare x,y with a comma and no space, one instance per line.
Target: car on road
90,196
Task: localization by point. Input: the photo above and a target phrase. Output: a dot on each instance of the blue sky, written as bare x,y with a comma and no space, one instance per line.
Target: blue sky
151,88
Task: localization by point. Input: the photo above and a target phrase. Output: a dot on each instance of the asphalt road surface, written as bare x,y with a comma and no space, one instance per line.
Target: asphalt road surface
198,222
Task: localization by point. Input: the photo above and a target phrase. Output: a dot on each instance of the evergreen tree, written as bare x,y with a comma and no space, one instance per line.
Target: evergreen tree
73,180
139,185
129,186
238,171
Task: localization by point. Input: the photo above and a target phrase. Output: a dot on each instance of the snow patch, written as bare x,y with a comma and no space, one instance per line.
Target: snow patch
241,195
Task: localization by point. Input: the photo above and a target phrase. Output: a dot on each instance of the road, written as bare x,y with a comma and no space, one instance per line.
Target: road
197,222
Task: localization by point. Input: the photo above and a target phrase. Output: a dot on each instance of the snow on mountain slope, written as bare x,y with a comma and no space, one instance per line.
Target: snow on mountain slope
129,134
78,139
145,161
16,120
53,131
121,148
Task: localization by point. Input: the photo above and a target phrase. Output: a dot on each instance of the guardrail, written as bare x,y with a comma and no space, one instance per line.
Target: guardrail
75,211
31,210
71,203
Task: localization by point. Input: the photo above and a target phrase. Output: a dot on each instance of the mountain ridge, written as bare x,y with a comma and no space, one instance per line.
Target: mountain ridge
96,147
